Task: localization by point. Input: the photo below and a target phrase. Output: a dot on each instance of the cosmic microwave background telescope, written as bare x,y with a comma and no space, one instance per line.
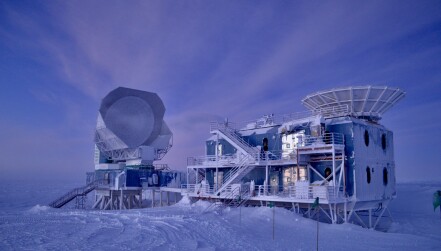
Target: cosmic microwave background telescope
131,128
130,136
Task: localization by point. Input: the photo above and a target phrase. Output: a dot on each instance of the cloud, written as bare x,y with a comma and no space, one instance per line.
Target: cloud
208,60
47,97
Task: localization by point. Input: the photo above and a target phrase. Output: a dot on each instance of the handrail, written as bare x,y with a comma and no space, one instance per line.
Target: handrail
79,191
244,194
230,196
191,188
325,139
299,192
333,111
235,169
232,135
274,155
211,159
234,159
161,166
277,119
234,173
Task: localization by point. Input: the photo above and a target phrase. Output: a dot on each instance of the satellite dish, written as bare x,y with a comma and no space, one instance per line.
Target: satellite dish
130,126
369,102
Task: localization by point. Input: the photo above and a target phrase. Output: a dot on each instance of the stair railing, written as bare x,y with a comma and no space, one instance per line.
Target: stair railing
80,191
232,135
234,173
228,197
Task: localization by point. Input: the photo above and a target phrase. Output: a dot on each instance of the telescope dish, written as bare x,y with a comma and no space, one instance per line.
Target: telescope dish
130,120
369,102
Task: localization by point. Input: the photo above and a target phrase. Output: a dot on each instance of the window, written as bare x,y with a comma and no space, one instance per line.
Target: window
288,145
265,144
385,178
366,137
219,150
383,141
328,172
368,175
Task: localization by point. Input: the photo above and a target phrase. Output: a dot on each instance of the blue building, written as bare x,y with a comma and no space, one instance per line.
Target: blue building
336,154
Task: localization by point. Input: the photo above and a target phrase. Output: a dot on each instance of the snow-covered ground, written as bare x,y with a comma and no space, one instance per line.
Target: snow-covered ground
25,224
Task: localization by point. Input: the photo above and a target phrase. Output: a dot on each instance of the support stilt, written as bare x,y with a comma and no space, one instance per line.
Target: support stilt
359,219
153,198
379,217
345,210
370,218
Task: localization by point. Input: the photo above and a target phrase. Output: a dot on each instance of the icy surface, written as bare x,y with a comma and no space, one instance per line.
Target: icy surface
26,224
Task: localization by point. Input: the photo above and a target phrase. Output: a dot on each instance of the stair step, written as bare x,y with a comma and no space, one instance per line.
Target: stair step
72,194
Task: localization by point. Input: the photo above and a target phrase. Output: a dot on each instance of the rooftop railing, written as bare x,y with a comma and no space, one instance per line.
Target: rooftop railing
228,160
208,160
273,120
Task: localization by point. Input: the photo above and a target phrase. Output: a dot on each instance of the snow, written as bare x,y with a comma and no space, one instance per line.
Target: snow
26,224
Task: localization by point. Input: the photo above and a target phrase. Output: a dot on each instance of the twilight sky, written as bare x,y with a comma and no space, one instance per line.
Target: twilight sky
208,60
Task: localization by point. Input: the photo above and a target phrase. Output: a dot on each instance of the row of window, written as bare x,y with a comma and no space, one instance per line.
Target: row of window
385,175
383,139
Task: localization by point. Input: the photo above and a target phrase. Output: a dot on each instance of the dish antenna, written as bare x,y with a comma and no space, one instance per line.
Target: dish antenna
131,128
369,102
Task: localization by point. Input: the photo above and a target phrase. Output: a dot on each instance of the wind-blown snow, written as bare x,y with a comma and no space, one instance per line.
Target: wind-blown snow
26,224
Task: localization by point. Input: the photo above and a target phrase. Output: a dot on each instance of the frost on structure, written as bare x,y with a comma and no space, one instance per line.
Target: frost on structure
130,126
130,136
337,152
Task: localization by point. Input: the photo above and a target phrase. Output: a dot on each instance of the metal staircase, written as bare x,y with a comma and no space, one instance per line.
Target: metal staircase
74,193
234,199
196,176
250,154
200,175
239,200
236,173
230,135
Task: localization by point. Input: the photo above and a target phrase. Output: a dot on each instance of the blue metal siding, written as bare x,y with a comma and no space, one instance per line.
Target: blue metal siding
211,147
359,157
274,139
134,176
377,159
346,130
227,148
257,174
320,167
